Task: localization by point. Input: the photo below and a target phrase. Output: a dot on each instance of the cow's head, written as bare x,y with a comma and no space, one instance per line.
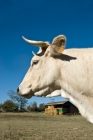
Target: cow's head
44,73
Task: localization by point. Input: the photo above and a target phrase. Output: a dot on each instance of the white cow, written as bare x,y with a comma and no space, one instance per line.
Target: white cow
68,73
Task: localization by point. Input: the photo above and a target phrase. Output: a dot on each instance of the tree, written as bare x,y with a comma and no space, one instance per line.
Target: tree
0,106
1,109
29,108
32,107
42,107
9,106
17,99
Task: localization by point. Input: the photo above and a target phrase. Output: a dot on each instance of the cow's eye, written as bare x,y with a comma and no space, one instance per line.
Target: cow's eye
34,62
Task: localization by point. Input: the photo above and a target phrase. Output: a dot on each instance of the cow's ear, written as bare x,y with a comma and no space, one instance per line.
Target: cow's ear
58,45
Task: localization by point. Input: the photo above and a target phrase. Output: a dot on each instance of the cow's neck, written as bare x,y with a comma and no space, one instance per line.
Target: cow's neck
74,85
83,103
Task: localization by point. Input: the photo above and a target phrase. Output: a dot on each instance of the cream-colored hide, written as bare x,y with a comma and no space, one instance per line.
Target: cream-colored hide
70,71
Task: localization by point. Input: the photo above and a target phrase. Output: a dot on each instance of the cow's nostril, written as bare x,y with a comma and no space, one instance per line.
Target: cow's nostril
18,89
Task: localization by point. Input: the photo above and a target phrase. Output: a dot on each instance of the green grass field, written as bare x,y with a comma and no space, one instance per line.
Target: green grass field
37,126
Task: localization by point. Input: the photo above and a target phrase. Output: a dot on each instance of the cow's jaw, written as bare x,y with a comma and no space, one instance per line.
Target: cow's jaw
28,92
43,92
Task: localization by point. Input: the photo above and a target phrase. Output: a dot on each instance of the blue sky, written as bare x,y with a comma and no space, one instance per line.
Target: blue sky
38,20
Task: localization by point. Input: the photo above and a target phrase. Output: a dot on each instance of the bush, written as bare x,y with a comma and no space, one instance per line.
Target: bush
9,106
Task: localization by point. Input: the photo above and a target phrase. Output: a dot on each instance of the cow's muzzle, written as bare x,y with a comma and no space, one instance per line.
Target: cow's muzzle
25,92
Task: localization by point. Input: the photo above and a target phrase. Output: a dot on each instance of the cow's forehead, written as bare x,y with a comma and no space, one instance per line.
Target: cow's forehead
36,57
40,54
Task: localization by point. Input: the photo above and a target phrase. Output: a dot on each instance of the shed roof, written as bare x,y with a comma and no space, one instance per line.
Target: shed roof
56,103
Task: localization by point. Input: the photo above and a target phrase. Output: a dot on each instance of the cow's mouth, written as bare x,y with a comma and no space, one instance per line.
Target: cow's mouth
28,93
43,92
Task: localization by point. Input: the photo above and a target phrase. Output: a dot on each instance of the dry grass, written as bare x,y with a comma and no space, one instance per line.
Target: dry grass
36,126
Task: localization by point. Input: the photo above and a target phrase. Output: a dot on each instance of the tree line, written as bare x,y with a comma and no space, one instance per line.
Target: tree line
17,103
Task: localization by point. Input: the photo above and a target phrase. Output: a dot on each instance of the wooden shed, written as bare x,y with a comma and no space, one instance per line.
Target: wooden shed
60,108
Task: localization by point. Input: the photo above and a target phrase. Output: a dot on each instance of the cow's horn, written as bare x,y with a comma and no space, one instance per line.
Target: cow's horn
33,53
37,43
